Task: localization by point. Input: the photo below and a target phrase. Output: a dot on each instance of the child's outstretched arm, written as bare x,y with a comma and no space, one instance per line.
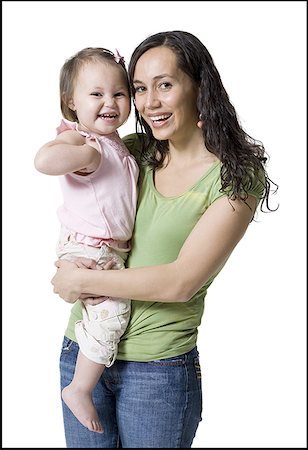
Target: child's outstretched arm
69,152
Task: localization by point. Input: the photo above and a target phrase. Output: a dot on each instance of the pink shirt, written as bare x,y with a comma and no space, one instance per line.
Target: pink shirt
101,205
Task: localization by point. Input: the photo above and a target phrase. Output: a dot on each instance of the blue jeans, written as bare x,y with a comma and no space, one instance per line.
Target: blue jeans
153,404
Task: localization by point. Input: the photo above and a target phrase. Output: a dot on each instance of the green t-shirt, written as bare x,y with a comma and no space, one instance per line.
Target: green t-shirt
161,330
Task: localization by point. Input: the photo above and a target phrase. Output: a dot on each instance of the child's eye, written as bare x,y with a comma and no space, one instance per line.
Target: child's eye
96,94
119,94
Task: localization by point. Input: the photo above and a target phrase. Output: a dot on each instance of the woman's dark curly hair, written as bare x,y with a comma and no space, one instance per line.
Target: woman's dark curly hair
242,157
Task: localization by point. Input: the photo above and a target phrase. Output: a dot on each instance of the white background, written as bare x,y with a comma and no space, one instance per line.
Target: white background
252,339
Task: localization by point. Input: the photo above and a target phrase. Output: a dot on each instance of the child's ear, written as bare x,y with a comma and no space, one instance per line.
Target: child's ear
71,105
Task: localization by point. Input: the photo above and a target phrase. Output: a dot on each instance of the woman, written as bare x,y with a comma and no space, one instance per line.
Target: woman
202,178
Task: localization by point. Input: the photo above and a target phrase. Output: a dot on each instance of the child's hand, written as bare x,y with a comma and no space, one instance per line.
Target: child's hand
92,147
92,300
92,143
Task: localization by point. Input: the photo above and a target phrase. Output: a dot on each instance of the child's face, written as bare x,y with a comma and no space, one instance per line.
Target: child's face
100,99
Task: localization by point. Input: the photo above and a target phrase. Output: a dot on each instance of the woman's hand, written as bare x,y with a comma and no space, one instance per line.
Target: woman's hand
85,263
65,281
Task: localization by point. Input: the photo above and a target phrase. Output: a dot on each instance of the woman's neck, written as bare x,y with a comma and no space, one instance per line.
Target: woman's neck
189,150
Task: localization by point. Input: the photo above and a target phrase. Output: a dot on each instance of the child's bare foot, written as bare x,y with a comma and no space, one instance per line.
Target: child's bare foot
81,405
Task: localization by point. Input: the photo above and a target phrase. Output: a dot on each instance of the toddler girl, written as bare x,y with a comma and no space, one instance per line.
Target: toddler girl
98,180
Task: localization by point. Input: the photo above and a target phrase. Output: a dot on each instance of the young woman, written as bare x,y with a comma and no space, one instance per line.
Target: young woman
202,179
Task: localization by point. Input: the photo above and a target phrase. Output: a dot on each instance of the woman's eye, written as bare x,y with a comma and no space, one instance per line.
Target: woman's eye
165,85
139,89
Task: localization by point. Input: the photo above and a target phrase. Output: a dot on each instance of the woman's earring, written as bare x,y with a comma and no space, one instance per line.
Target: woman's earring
200,122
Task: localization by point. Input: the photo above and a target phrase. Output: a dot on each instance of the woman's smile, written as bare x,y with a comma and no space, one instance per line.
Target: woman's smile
159,119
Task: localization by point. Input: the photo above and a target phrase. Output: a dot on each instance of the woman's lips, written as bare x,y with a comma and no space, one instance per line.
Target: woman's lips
159,120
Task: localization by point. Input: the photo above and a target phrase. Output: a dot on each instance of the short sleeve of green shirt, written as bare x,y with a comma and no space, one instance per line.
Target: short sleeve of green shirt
256,189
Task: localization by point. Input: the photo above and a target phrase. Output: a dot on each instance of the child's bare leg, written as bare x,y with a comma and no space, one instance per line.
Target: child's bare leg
78,394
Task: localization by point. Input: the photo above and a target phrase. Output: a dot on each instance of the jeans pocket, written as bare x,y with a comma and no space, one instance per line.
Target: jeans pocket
197,368
67,345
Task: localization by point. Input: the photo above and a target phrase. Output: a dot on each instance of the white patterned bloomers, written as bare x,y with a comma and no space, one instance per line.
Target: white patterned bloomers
102,326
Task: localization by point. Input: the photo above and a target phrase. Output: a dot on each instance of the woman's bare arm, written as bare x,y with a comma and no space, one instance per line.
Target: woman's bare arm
207,247
69,152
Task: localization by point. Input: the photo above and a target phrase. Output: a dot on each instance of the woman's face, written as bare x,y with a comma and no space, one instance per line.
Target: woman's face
165,96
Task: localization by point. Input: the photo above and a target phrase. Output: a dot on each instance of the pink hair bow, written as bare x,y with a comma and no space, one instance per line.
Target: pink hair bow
118,58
